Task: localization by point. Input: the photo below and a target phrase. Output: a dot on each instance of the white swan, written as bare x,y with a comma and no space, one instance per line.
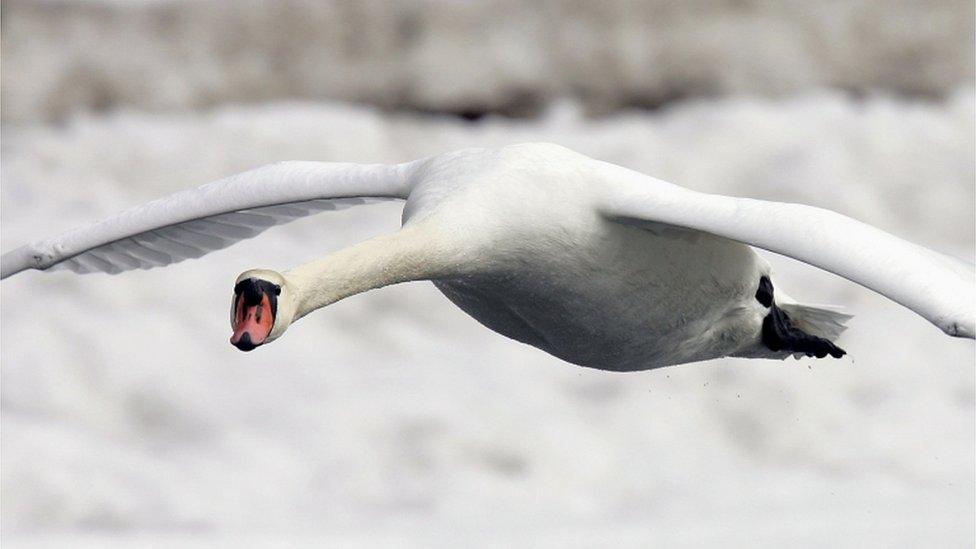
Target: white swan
593,263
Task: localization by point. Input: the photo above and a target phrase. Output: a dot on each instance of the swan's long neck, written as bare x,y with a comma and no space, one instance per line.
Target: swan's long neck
413,253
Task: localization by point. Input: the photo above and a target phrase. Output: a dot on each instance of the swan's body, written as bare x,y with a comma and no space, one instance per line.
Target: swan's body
545,268
633,318
595,264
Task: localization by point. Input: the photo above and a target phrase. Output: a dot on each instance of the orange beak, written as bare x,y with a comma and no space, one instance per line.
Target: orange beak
252,323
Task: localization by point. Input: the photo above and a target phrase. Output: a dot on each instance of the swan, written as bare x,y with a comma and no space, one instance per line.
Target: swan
596,264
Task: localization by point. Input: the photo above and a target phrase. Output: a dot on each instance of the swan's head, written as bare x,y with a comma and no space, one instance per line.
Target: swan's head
262,308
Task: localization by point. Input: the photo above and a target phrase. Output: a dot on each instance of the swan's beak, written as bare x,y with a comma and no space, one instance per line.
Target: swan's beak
255,307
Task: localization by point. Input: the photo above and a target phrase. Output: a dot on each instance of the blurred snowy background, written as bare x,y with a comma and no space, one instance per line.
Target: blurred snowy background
391,419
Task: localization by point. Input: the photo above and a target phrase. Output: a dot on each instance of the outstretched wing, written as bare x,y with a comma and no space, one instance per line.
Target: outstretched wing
193,222
941,289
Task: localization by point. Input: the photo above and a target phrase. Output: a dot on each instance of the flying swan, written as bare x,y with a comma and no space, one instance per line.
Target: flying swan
596,264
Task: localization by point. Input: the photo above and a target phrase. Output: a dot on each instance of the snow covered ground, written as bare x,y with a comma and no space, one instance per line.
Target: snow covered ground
60,56
392,419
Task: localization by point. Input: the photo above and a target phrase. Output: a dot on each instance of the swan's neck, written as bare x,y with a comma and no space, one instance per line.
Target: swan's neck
413,253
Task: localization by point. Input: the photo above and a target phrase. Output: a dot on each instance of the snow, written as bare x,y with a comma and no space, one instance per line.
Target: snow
62,56
392,419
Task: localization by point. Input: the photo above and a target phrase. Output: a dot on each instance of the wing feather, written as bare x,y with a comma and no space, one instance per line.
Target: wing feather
941,289
194,222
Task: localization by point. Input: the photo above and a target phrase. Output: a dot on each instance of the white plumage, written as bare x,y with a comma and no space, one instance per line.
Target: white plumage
594,263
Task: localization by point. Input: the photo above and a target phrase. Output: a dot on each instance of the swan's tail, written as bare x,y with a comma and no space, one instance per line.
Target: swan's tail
824,321
801,330
791,329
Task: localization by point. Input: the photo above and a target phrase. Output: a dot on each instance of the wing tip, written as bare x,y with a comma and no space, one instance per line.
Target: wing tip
963,330
17,260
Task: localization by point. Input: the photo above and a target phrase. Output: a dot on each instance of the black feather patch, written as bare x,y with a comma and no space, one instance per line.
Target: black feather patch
764,295
780,334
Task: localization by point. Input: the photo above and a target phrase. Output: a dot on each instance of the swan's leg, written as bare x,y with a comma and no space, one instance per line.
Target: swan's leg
779,333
